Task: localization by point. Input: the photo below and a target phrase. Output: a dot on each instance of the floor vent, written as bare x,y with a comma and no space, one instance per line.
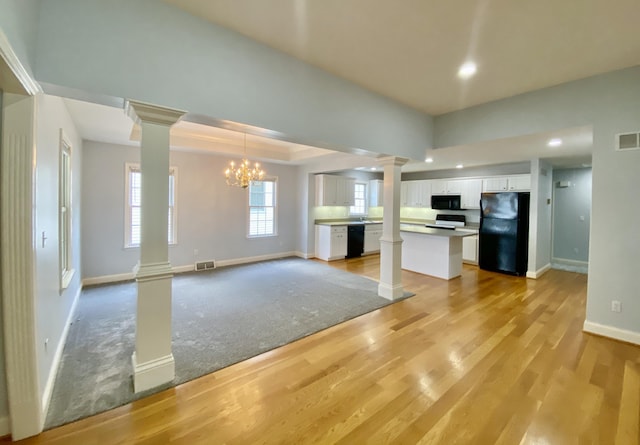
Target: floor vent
205,265
628,141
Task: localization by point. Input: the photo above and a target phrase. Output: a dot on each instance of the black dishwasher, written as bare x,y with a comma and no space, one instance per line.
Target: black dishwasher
355,241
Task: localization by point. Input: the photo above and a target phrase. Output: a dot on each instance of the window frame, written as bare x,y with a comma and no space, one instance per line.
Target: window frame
171,240
365,199
273,179
65,212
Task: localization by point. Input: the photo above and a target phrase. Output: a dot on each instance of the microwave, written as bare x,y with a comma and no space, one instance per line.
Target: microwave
445,202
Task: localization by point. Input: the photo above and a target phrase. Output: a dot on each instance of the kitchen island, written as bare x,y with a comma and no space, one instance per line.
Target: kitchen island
429,251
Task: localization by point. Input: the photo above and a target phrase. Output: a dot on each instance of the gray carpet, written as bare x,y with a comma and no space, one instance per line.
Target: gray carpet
220,317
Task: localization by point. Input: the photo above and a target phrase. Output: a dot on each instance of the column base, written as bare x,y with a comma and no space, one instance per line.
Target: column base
152,373
390,292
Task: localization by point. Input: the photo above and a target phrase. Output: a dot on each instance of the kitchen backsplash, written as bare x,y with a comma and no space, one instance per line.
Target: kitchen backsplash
335,212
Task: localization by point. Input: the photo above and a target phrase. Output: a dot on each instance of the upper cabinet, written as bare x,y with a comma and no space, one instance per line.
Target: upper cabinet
376,193
517,183
470,193
334,190
415,193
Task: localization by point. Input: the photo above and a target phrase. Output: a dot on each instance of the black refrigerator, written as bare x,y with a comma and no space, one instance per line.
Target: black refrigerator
504,232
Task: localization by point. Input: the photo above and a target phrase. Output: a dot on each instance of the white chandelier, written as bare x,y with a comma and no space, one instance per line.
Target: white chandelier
243,174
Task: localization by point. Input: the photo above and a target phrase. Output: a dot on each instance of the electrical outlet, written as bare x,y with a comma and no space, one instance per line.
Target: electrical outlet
616,306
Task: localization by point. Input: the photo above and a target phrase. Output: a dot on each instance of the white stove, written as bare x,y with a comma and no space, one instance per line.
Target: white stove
449,222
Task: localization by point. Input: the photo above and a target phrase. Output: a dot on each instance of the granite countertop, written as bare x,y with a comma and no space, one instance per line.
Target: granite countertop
347,223
430,231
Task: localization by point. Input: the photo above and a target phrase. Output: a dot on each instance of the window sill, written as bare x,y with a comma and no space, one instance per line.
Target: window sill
261,236
66,278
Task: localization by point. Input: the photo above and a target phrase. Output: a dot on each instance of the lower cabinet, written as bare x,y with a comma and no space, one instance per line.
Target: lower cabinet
372,235
470,249
331,242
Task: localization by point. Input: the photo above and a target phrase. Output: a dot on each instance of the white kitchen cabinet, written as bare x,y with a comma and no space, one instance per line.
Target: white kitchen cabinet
376,193
518,183
439,187
334,190
470,249
455,187
470,193
416,193
331,242
372,235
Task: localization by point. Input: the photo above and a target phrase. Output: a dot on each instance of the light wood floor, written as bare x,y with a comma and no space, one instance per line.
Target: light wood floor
483,359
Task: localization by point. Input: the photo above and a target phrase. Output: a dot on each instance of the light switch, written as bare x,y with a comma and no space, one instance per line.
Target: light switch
581,217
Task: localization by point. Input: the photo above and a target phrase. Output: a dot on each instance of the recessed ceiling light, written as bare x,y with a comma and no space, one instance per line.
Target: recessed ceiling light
428,160
459,166
554,142
467,70
373,169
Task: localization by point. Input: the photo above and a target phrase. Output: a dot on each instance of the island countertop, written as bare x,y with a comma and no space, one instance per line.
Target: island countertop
413,228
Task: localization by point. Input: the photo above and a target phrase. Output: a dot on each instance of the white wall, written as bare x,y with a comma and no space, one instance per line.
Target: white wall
611,104
212,216
194,65
52,305
18,21
571,215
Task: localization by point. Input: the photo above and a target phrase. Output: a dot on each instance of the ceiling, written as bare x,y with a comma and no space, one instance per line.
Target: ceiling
410,50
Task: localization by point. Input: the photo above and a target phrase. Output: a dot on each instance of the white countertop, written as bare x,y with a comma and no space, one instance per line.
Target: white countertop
413,228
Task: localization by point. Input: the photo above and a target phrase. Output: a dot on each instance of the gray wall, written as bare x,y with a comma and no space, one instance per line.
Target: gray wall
572,214
18,21
212,217
540,216
52,305
205,69
611,104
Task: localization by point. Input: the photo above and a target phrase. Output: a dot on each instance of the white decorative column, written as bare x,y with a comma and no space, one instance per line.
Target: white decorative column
18,259
390,286
153,362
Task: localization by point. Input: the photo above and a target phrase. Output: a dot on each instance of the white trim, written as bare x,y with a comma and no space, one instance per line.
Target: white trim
153,373
570,262
130,276
538,273
5,427
55,364
303,255
612,332
29,84
254,259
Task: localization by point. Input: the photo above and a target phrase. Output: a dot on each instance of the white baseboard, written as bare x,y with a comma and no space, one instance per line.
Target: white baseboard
303,255
538,273
55,364
612,332
153,373
5,428
104,279
570,262
253,259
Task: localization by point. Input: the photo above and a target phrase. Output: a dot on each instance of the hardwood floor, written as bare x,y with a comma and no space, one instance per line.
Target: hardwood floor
483,359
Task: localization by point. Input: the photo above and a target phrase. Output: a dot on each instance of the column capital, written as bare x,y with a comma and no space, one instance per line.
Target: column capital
155,114
393,160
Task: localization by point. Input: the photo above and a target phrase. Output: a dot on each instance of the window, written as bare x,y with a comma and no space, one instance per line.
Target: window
64,215
262,208
360,199
133,214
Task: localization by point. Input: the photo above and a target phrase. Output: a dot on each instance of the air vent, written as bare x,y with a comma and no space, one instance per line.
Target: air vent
205,265
628,141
